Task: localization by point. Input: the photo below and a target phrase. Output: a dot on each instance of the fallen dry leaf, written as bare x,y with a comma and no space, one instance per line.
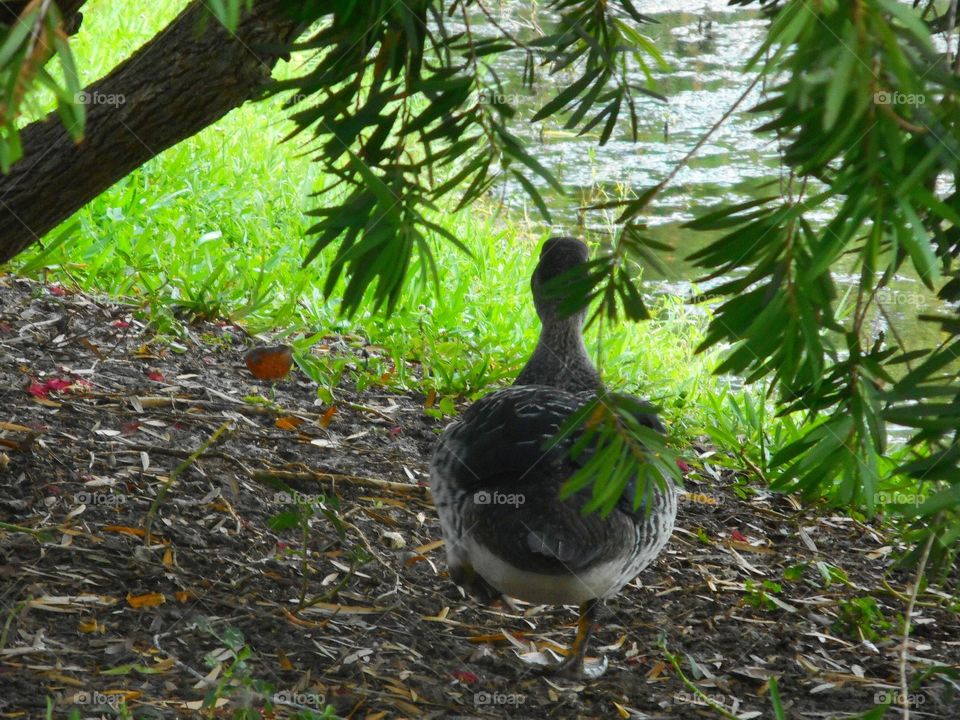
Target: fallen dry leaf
289,422
328,416
124,530
91,626
146,600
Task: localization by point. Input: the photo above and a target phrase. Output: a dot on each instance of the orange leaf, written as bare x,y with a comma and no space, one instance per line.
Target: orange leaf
431,399
305,623
498,638
596,417
290,422
91,626
284,661
168,558
163,665
123,529
656,670
147,600
182,596
433,545
328,416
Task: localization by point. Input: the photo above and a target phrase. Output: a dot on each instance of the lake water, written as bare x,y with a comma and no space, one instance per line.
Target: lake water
705,46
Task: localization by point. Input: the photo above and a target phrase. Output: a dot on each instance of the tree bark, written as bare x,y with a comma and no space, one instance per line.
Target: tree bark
11,10
174,86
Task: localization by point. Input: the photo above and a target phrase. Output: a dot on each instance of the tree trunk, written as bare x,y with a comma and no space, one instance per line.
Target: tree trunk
173,87
11,10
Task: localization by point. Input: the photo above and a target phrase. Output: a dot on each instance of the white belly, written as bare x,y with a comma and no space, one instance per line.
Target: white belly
600,581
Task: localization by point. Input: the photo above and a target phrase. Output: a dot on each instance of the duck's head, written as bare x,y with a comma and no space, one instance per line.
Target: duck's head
557,256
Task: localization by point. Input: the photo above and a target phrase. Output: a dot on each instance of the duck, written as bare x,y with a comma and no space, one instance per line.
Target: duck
496,475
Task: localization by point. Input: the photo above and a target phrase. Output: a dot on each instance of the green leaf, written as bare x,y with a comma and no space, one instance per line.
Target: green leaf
917,243
16,35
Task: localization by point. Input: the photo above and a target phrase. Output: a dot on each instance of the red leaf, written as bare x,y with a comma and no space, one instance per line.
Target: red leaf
130,428
396,431
738,536
683,466
57,290
6,327
122,324
37,390
156,376
52,385
465,676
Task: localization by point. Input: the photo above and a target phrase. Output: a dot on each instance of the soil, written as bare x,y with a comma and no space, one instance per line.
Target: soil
235,598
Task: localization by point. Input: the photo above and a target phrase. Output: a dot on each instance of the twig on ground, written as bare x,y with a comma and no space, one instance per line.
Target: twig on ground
904,645
693,686
165,488
309,475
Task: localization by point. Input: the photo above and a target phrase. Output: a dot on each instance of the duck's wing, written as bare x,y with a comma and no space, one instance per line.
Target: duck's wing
502,466
507,439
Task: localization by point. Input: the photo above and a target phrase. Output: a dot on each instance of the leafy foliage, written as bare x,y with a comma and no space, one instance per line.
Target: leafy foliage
620,453
26,46
867,115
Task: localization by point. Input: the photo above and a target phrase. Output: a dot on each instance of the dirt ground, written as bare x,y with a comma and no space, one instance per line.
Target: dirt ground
99,415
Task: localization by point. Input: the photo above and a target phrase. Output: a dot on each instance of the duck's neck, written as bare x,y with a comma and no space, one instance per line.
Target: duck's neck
560,358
